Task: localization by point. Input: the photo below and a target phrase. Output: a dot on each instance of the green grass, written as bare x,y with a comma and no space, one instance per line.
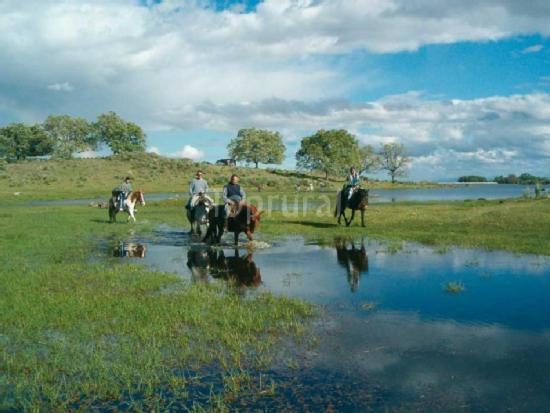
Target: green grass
77,334
521,226
83,178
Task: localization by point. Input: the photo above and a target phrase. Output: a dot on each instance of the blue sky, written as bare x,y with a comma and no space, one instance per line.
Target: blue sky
464,85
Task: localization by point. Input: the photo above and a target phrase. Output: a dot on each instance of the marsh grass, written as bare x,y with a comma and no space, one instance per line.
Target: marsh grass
78,335
514,225
454,287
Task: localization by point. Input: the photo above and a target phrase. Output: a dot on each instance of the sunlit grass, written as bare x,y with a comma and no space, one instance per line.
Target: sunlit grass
81,335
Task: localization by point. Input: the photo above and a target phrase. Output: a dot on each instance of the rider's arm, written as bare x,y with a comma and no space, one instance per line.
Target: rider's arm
243,194
205,187
191,188
225,193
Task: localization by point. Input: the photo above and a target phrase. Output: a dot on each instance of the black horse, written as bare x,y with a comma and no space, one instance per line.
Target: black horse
358,201
216,223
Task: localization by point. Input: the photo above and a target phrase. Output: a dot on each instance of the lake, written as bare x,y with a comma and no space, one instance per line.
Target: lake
444,193
403,328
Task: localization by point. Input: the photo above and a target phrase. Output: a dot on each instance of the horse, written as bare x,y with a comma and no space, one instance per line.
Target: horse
354,260
129,205
246,220
198,216
358,201
216,223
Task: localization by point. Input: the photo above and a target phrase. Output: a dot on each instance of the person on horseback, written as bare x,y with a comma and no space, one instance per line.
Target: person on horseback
197,189
120,193
233,195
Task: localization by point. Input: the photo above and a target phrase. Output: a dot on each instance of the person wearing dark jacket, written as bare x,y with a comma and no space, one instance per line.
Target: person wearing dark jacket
233,195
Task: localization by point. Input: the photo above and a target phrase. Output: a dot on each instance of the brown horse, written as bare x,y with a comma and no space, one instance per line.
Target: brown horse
129,205
246,220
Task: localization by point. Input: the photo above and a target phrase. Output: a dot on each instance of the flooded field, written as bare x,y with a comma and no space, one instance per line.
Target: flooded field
403,327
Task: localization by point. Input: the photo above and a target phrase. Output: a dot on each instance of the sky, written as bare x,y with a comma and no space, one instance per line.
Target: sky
463,84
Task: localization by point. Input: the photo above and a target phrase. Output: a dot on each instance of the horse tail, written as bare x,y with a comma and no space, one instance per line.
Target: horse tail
338,207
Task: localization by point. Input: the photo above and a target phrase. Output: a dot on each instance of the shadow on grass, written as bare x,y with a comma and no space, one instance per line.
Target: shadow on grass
312,224
100,221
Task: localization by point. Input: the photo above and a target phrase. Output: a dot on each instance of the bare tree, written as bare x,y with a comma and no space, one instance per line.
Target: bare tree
394,159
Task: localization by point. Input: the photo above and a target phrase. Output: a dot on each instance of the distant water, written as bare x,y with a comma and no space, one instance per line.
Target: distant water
456,193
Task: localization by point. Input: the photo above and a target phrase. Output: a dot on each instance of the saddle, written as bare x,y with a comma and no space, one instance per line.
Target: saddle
234,209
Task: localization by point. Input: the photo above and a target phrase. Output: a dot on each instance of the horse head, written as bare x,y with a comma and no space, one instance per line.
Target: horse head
137,196
201,210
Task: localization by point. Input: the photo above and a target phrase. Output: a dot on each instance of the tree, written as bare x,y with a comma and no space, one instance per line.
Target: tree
257,146
69,135
119,135
394,159
370,160
329,151
472,178
18,141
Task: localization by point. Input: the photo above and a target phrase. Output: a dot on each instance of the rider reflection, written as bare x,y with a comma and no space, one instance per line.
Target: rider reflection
129,249
241,271
354,260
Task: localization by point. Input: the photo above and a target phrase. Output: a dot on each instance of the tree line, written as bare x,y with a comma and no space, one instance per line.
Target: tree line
331,152
61,136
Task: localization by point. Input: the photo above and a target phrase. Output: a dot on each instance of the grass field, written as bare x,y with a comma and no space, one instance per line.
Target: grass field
80,334
81,178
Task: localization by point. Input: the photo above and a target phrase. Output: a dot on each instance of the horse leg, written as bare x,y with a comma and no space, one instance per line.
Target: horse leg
249,235
343,214
363,217
236,238
131,214
348,223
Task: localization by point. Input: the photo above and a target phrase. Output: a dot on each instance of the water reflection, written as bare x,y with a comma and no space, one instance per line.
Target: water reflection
354,260
241,271
129,249
487,349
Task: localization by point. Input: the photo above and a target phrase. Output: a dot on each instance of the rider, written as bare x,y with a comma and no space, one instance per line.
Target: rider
120,193
233,195
198,188
352,182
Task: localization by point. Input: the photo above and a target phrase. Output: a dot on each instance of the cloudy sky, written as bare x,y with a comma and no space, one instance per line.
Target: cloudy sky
464,84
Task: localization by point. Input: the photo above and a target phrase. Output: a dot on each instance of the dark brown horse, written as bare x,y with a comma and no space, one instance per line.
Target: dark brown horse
358,201
246,220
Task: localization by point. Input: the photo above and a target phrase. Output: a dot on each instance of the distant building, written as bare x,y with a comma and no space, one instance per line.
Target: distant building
226,162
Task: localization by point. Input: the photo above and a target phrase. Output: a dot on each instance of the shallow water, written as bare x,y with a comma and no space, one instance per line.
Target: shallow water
391,337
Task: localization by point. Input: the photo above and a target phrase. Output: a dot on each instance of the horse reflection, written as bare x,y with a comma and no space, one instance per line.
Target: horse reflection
354,260
240,271
130,249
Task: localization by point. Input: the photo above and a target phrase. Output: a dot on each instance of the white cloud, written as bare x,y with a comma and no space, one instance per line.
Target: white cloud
153,149
190,152
61,87
179,65
532,49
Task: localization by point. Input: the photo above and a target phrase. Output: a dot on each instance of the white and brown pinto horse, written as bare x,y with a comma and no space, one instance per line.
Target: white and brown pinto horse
129,205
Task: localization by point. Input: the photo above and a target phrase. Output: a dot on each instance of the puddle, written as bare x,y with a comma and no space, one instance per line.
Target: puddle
392,331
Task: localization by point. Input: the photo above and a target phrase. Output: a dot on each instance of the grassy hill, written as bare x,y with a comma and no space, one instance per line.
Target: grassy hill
80,178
